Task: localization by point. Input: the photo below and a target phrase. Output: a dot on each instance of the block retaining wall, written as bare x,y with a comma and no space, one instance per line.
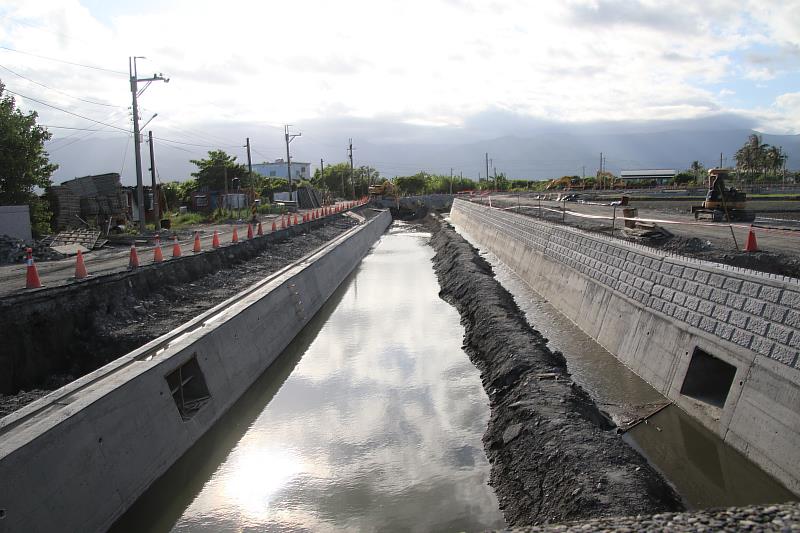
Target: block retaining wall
652,310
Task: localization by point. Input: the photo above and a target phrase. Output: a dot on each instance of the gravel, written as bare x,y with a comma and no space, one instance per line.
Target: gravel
784,518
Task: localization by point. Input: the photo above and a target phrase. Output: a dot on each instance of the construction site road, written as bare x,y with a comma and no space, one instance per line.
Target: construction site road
116,258
784,241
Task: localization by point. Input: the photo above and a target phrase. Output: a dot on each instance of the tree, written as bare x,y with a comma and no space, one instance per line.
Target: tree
335,179
412,185
698,170
211,172
24,163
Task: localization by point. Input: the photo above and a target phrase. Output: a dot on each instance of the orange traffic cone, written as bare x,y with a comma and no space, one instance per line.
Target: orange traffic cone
215,240
283,222
80,267
157,255
235,237
134,260
273,225
751,245
295,219
249,231
176,248
196,248
260,231
32,276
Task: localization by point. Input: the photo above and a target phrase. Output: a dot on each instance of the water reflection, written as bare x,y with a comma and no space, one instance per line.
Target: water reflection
378,427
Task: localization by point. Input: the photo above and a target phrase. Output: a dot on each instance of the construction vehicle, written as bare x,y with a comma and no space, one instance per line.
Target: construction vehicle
723,204
385,188
565,182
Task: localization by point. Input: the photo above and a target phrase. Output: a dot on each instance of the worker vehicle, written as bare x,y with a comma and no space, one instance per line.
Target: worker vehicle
385,188
723,204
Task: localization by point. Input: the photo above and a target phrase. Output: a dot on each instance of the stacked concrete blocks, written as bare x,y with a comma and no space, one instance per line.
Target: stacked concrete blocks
654,310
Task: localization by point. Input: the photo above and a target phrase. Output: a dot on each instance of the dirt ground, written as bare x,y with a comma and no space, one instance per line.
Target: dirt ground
134,322
714,246
555,457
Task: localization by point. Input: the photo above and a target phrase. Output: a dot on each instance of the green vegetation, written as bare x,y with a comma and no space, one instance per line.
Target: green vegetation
757,161
212,172
24,164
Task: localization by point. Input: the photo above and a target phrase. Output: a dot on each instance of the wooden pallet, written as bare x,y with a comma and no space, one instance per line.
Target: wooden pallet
85,237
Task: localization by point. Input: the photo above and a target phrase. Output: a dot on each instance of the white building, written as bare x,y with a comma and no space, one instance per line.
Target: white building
277,169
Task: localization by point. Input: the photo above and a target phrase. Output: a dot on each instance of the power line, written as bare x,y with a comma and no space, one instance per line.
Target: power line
65,62
68,112
56,90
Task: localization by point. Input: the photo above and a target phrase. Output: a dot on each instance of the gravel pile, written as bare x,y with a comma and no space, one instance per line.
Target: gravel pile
785,517
12,251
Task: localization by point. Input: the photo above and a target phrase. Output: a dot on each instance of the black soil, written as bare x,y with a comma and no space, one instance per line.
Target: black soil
109,332
555,457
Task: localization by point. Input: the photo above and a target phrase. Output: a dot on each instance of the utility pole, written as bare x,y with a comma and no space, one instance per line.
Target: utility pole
495,177
720,160
289,138
451,180
249,171
156,214
249,162
600,172
137,134
487,166
321,170
352,175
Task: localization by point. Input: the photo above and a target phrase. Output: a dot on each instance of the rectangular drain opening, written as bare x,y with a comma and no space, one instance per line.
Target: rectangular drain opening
188,388
708,378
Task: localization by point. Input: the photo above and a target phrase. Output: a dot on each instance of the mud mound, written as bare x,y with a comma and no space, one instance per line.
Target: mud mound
555,457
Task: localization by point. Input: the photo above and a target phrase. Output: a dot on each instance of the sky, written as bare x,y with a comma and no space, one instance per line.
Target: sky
391,71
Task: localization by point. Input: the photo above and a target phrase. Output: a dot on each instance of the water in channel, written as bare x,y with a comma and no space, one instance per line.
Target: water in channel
704,470
371,420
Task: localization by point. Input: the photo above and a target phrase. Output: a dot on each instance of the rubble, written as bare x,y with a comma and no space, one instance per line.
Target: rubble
13,251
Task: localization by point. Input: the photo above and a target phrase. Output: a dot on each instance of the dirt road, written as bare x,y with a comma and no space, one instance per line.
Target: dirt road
780,248
116,258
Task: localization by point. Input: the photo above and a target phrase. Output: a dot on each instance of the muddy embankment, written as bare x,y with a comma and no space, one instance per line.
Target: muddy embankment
58,339
555,457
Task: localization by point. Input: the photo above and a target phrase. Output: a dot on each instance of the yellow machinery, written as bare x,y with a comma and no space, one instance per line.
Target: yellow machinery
382,189
723,204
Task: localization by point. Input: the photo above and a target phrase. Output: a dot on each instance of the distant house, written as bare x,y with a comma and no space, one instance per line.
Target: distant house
277,169
647,177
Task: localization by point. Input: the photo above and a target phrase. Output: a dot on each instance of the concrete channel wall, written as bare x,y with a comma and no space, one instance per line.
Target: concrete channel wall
78,458
720,342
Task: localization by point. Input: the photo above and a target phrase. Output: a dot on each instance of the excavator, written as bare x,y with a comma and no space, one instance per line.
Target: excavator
385,188
723,204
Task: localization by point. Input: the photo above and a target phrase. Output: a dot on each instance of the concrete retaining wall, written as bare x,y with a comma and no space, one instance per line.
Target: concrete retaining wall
653,311
78,458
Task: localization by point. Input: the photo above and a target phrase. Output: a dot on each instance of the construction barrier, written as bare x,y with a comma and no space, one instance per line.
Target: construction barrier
158,256
133,262
80,267
32,275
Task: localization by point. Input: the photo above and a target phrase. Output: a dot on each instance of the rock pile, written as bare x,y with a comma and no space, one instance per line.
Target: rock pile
12,251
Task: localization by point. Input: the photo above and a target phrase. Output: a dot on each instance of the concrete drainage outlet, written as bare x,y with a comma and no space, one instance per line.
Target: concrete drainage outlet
708,379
